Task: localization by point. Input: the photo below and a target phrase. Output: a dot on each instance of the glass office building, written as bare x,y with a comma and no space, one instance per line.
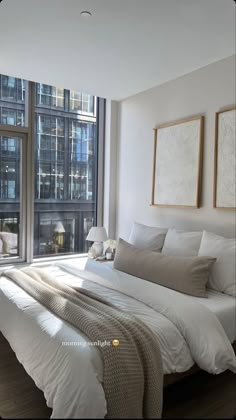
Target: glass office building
65,167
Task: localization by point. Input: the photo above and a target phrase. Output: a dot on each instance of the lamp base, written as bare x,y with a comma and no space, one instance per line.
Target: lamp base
97,249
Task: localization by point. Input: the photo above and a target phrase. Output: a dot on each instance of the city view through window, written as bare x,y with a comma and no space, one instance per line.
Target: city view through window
65,167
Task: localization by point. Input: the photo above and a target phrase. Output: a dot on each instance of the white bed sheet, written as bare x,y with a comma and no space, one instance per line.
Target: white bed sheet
224,307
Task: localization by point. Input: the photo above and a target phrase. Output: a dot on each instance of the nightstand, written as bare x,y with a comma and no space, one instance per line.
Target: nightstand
91,264
103,261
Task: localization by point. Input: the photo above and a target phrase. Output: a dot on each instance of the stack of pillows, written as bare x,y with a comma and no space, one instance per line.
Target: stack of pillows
188,262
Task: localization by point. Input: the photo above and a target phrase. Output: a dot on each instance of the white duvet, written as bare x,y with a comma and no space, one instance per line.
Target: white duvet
71,376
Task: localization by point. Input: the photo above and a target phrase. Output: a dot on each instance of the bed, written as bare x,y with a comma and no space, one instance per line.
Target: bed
222,305
71,375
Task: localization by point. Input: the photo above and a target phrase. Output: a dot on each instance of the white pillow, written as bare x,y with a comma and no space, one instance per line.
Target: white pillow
182,243
147,237
222,276
9,241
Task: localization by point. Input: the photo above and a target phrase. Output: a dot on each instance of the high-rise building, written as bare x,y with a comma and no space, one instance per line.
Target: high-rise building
65,168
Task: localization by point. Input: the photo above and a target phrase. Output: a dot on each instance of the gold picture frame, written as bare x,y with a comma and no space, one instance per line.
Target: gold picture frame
224,182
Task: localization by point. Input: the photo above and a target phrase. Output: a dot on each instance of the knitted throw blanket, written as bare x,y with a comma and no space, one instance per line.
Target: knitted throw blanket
132,371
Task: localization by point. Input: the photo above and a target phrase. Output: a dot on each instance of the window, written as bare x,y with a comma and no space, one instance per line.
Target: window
65,162
50,154
65,142
10,196
12,89
82,103
50,96
12,101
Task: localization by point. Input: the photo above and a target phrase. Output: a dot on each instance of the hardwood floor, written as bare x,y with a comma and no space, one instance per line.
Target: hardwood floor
19,397
201,396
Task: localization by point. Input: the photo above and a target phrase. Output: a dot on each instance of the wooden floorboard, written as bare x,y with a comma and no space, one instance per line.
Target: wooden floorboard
19,396
201,396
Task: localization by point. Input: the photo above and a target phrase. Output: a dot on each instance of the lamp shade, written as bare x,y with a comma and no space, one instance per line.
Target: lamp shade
59,228
97,234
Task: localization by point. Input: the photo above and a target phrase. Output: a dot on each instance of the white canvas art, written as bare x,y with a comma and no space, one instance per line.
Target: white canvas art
226,158
177,163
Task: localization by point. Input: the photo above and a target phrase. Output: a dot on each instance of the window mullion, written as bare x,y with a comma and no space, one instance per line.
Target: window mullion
30,170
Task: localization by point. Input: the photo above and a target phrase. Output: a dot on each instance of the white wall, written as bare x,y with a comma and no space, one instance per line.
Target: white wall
204,91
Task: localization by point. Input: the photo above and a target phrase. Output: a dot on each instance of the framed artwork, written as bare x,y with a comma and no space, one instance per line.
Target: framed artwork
177,163
225,160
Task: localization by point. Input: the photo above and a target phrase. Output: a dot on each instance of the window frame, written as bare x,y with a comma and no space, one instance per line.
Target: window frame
23,196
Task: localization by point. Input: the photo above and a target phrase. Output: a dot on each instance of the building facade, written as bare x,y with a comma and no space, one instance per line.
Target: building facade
65,167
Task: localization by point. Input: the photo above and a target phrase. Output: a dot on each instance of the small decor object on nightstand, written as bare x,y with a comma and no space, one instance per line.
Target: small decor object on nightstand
110,249
91,253
97,235
108,254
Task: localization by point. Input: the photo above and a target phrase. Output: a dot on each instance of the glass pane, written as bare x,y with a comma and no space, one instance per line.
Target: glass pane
12,101
65,176
10,196
50,96
81,102
50,154
82,161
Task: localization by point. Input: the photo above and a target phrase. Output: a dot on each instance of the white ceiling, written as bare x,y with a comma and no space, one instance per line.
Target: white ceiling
126,47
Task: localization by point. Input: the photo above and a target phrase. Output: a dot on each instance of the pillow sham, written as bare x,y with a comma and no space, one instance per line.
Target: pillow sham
182,243
147,237
222,278
188,275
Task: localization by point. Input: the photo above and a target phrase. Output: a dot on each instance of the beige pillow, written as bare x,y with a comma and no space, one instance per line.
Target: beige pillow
185,274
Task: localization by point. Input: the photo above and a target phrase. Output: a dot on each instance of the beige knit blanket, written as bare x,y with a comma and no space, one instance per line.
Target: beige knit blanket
133,375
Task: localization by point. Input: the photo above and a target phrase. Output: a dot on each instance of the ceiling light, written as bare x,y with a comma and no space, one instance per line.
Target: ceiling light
85,14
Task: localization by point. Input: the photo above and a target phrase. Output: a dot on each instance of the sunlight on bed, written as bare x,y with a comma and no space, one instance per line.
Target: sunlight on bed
46,324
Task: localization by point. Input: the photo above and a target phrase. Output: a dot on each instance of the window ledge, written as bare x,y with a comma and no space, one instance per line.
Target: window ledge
42,261
58,257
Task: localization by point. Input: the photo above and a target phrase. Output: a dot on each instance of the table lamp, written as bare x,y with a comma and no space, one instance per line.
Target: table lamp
97,235
59,233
